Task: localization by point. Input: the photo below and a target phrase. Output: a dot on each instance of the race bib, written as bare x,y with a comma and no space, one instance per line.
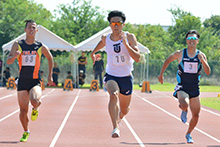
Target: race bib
190,67
28,60
120,60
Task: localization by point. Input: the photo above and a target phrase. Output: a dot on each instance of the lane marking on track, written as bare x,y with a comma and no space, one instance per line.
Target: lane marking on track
9,115
201,108
177,118
64,121
4,97
132,130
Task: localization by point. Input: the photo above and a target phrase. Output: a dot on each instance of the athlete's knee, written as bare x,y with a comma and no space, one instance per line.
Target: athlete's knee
23,111
113,94
183,106
124,112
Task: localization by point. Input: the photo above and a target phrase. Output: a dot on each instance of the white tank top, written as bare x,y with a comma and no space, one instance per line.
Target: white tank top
119,62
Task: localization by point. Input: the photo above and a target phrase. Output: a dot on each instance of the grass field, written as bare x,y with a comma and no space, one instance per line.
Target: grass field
212,102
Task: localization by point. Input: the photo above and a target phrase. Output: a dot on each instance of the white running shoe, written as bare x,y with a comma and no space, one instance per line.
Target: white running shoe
115,133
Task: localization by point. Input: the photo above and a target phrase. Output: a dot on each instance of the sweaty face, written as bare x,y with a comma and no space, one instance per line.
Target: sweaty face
31,29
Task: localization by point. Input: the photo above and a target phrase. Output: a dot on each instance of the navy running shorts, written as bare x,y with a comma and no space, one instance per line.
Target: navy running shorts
192,93
125,84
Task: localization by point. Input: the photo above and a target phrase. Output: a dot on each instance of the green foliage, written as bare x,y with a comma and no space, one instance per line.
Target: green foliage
154,37
209,44
178,13
214,23
78,21
13,13
182,26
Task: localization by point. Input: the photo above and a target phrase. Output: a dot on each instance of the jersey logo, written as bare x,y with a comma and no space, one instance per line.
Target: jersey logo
36,47
117,47
127,91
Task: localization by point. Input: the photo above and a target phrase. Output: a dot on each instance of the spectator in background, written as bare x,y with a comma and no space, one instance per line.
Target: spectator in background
6,75
3,83
98,68
41,74
1,65
69,76
56,72
82,61
82,77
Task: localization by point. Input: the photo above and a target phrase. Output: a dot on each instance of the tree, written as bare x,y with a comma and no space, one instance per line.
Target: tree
214,23
78,21
178,13
153,37
13,13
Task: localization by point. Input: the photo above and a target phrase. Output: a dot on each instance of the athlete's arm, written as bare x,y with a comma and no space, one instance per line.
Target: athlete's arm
131,45
176,55
47,54
204,62
99,46
14,53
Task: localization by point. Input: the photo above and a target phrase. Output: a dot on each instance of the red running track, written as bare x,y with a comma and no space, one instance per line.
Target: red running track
80,118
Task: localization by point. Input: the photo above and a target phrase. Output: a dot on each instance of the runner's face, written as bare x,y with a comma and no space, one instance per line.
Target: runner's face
191,42
31,29
119,24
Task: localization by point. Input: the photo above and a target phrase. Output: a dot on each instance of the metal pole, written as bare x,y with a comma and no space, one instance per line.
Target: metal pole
147,66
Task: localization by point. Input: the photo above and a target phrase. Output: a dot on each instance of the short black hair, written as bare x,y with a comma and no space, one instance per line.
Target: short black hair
116,13
69,72
192,32
29,21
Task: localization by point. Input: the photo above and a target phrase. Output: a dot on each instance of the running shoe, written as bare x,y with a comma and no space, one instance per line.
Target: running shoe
34,114
189,138
24,137
115,133
184,116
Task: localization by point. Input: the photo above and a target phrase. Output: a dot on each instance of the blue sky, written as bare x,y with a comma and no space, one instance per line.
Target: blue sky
148,11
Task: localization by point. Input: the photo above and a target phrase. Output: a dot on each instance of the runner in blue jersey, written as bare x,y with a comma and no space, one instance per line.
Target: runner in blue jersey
191,61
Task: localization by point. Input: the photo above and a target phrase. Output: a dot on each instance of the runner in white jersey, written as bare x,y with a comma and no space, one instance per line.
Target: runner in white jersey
122,50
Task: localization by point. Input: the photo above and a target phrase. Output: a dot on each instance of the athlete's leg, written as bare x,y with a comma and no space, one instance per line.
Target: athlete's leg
125,101
113,107
35,96
183,99
23,101
195,107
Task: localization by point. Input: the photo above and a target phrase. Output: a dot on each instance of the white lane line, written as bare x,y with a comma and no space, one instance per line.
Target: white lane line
178,118
4,97
9,115
201,108
64,121
132,130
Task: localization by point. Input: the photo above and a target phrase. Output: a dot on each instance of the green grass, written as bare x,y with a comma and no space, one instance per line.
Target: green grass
212,102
